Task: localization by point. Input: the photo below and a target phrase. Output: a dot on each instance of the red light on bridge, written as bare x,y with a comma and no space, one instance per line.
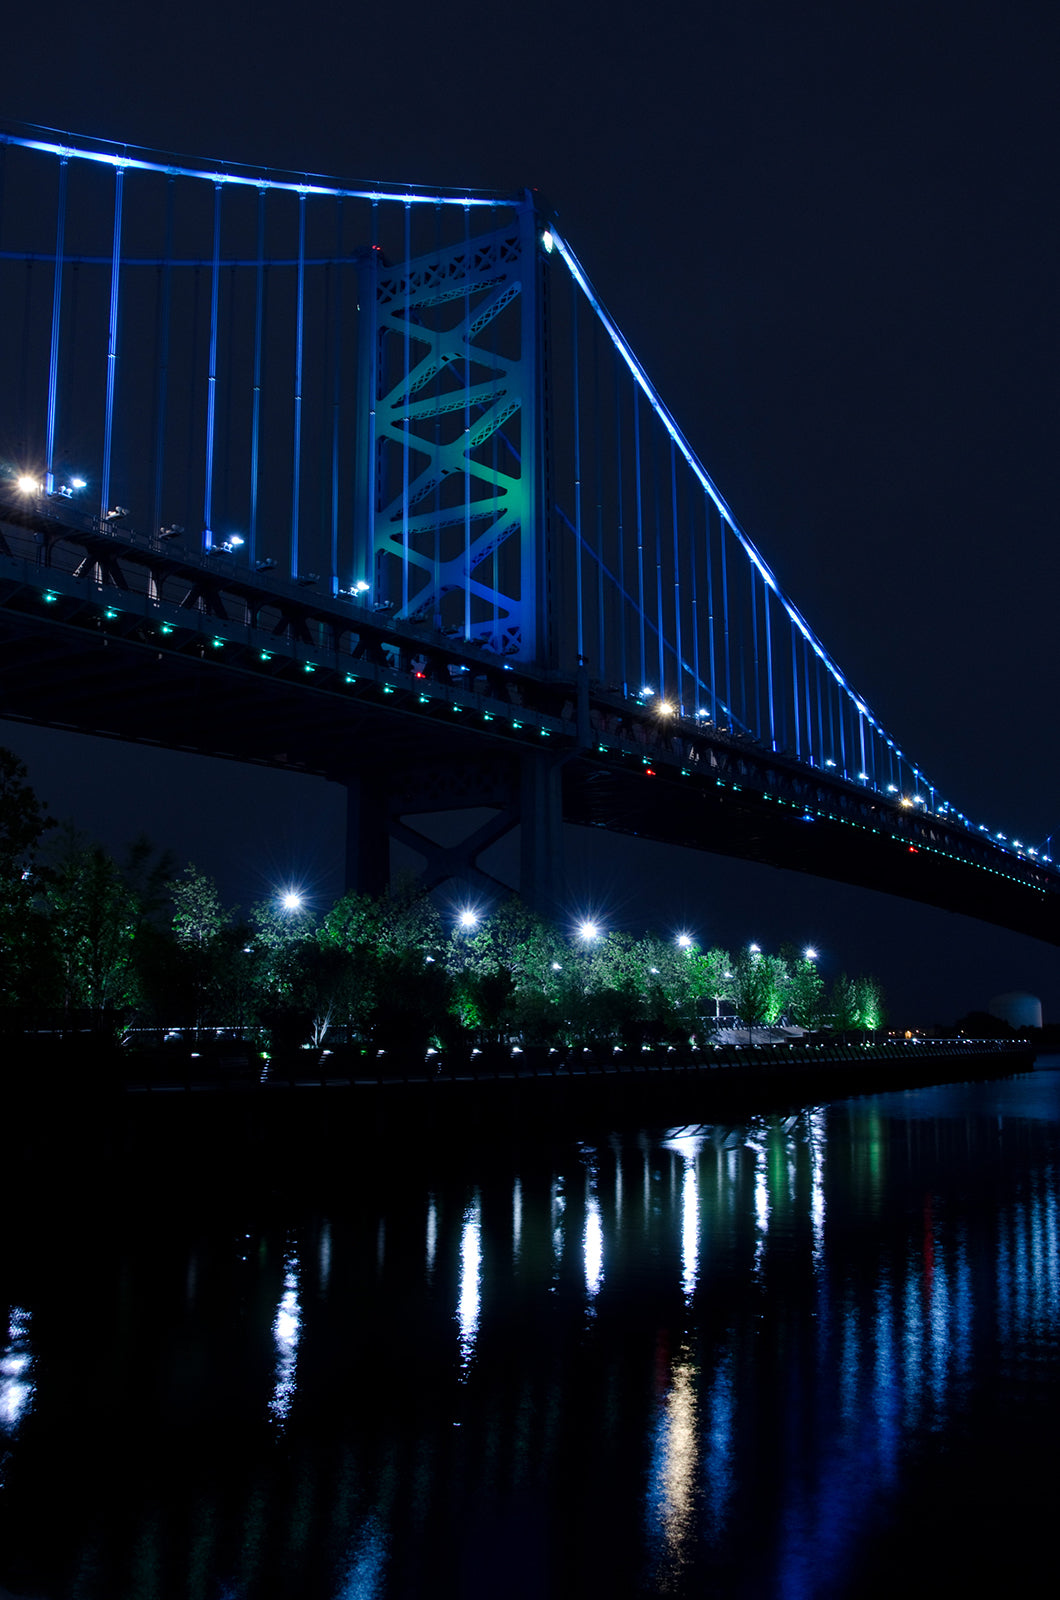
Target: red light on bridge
913,851
649,772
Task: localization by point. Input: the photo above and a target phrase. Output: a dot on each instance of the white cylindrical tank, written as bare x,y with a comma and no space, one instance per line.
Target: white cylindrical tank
1017,1009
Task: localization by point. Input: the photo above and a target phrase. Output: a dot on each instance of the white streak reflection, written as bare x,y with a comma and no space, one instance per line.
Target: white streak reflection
16,1360
688,1147
470,1302
593,1245
517,1218
761,1200
816,1141
286,1332
674,1473
432,1234
557,1207
325,1256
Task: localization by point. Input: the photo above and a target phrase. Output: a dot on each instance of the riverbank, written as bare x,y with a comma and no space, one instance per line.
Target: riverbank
202,1124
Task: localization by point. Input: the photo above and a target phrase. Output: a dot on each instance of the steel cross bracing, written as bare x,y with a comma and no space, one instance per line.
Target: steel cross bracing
448,437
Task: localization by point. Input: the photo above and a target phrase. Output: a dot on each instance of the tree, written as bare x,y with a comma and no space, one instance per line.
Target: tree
711,977
805,997
94,917
843,1004
759,987
869,1004
198,915
22,820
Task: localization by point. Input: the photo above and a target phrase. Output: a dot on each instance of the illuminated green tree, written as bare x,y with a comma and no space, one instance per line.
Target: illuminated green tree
869,1004
805,1001
759,988
711,976
844,1004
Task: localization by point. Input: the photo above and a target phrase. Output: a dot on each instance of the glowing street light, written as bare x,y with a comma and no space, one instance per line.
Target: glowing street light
291,900
810,953
684,941
27,484
588,930
468,918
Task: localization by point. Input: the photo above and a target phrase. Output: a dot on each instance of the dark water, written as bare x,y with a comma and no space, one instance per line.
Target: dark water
809,1356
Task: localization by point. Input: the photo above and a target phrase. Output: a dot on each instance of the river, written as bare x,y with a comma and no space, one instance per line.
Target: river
801,1356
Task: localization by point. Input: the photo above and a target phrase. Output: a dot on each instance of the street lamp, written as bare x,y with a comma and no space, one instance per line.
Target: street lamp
588,930
468,919
291,900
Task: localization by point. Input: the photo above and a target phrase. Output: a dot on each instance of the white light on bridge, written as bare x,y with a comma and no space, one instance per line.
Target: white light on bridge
27,484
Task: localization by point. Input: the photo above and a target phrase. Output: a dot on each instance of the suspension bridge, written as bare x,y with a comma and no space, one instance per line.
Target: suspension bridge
365,482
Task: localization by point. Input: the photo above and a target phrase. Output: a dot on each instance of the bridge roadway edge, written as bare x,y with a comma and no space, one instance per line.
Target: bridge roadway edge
102,633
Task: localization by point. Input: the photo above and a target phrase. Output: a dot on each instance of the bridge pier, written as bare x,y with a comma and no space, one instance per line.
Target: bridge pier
524,792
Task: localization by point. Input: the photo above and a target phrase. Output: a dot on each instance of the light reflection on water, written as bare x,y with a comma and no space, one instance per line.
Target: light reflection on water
286,1333
16,1362
469,1303
699,1363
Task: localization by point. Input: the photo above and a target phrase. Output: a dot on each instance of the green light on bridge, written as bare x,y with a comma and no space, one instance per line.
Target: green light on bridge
50,597
167,627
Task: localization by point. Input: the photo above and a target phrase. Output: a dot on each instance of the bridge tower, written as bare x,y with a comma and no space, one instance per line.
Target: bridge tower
451,526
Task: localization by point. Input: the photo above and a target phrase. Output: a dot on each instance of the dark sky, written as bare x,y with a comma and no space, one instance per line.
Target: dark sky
829,232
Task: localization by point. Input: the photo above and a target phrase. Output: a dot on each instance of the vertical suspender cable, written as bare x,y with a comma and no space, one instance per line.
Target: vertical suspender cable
640,535
336,399
580,628
373,564
112,343
211,379
696,680
769,667
436,575
659,633
162,391
407,404
603,666
725,625
820,712
708,506
467,423
57,302
755,687
861,730
677,578
795,688
255,415
296,473
809,711
622,674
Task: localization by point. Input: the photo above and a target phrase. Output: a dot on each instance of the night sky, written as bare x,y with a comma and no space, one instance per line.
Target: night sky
829,232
